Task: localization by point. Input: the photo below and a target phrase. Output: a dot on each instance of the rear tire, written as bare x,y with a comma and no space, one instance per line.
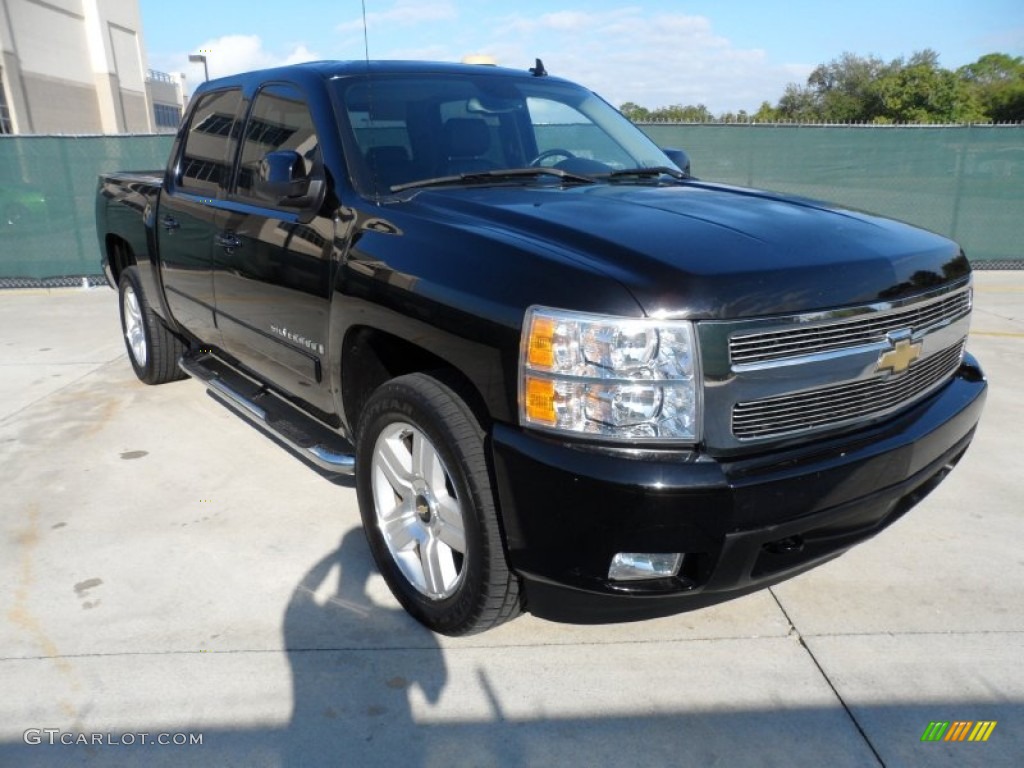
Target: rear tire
428,508
152,349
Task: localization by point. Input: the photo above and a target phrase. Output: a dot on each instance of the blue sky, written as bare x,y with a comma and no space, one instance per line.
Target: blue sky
728,55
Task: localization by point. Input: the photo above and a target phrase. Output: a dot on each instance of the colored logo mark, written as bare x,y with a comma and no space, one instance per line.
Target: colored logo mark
958,730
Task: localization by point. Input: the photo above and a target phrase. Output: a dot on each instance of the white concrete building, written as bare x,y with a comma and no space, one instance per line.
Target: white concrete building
166,98
79,66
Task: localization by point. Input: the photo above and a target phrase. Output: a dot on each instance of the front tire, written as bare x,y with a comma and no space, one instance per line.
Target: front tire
152,349
428,508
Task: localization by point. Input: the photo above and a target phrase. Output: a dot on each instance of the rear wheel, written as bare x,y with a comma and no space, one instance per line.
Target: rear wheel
428,509
152,348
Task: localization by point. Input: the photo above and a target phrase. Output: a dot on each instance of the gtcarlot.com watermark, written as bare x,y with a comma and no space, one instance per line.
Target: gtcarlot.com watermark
54,736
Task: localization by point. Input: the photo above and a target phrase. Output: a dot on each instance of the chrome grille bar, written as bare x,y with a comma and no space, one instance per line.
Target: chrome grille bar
764,346
837,405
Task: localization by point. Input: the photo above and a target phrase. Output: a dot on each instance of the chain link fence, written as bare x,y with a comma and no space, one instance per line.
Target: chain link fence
966,182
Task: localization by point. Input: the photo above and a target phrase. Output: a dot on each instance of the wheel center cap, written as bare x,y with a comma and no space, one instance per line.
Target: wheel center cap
423,508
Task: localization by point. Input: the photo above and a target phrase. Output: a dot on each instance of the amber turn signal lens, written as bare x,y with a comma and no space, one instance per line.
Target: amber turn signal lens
540,401
541,344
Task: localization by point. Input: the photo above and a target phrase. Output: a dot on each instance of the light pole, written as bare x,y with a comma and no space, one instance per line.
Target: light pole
195,58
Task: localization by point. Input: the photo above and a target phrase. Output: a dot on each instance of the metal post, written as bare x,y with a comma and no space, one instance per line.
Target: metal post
195,58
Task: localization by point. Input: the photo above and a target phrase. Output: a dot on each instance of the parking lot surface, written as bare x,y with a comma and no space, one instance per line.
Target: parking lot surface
171,575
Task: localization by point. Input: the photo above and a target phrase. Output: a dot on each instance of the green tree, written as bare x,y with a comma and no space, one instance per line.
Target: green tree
997,80
920,91
844,89
679,113
800,104
635,112
766,113
734,117
853,88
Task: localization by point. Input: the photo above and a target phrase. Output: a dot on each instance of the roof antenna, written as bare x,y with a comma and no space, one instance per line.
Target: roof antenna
366,37
369,95
538,69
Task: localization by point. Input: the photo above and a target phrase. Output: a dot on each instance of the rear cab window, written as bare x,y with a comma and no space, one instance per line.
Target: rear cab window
209,145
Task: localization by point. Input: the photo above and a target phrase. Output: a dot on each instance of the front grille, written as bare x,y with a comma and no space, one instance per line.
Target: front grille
837,405
765,346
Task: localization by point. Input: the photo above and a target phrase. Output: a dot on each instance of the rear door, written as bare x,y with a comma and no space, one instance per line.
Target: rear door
272,265
186,222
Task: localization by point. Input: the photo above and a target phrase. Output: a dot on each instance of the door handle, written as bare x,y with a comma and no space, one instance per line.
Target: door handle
169,223
228,241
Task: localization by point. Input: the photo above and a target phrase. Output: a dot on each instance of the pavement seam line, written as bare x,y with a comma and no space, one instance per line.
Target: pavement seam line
827,679
919,633
359,649
507,646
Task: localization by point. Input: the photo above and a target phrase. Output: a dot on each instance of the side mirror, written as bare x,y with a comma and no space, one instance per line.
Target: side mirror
679,157
283,179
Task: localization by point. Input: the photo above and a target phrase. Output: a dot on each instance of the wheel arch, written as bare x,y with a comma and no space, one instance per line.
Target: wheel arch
370,357
119,255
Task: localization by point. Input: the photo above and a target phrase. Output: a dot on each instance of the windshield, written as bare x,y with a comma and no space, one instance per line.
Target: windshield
414,128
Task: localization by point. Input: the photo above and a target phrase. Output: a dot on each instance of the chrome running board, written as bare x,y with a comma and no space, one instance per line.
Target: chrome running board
308,438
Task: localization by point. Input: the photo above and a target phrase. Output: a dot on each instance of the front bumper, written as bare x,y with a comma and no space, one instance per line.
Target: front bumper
743,523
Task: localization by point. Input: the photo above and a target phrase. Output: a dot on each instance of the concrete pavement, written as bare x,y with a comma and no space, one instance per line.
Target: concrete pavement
170,571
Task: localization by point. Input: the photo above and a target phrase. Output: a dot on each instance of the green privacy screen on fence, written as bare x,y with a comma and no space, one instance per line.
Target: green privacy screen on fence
48,194
964,181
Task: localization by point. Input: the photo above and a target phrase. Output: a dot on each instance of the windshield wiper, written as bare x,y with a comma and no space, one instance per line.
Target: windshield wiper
646,173
483,177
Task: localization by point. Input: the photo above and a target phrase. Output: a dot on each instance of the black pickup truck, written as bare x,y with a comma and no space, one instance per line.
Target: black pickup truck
568,376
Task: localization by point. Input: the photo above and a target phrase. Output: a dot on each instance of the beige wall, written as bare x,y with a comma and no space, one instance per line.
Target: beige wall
137,117
61,106
75,66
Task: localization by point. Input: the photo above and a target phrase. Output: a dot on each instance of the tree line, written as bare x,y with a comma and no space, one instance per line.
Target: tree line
866,89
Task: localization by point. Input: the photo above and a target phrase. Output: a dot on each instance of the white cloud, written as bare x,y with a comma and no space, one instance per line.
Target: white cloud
425,53
624,54
404,13
655,61
229,55
301,54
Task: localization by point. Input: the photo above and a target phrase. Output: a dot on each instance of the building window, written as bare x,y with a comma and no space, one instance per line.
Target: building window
166,117
5,112
215,124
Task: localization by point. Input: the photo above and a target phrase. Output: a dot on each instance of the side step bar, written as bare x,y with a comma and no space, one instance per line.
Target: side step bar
302,434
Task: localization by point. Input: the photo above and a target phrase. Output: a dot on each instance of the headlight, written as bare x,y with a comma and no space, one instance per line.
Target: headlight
609,378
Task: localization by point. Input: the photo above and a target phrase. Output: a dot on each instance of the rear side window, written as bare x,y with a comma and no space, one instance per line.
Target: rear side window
279,120
210,144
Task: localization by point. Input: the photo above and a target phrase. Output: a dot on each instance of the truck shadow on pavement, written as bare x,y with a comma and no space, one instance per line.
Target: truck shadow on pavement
346,699
371,687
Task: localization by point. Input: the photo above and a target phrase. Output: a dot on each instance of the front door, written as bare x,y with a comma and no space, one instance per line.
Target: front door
272,272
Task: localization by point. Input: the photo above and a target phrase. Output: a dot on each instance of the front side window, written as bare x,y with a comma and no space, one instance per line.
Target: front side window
205,164
279,120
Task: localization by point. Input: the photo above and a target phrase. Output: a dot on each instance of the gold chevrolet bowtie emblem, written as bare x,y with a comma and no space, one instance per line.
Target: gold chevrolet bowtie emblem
898,359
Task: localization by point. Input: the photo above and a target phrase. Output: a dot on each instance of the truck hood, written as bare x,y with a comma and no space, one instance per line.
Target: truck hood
700,250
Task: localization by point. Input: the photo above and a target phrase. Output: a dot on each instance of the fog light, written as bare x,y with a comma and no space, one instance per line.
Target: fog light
633,566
